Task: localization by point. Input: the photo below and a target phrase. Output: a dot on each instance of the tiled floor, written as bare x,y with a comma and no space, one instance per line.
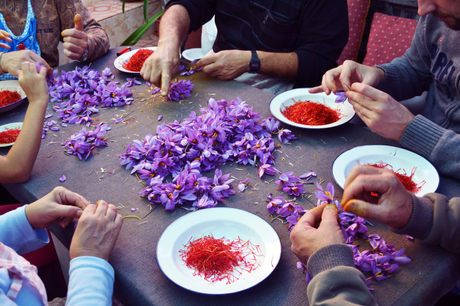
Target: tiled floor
108,8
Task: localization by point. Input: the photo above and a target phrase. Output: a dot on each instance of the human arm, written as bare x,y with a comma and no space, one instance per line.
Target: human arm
432,218
17,165
318,242
91,276
163,64
78,32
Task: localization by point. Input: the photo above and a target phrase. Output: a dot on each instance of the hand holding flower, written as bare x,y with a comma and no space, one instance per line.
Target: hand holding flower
393,204
317,228
60,204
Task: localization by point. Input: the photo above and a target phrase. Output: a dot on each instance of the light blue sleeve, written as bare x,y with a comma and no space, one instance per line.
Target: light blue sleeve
91,282
17,233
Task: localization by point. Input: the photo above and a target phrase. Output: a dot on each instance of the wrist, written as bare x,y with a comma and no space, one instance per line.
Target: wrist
2,70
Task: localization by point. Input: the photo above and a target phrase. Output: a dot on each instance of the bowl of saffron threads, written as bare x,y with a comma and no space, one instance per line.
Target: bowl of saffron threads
11,95
132,61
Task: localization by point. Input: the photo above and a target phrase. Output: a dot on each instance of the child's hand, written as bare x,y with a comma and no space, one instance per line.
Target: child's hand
34,83
4,35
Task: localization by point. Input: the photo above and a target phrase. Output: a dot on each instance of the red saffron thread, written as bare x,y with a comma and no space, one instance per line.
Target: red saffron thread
311,113
8,97
136,61
220,259
405,179
9,136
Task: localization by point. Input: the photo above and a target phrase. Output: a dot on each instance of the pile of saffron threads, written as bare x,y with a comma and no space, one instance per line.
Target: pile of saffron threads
136,61
311,113
9,136
8,97
220,259
405,179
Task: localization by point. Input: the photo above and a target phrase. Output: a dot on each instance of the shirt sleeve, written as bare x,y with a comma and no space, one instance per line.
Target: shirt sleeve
91,282
335,280
98,40
435,220
17,233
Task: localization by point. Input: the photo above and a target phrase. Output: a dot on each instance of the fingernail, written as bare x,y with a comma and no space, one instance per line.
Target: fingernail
163,93
331,206
79,212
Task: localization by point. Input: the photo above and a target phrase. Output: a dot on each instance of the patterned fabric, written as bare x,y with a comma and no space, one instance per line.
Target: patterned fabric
22,271
389,38
54,16
27,39
357,13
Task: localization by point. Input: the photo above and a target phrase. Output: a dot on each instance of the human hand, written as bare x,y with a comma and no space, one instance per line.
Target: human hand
379,111
60,204
33,83
4,35
75,40
342,77
162,66
393,204
97,231
317,228
11,62
225,65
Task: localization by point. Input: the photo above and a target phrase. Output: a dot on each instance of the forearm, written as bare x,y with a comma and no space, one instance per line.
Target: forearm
174,27
17,166
283,65
98,40
91,282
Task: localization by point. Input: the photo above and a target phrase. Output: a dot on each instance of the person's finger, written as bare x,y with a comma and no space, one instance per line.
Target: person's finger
68,197
89,210
316,89
360,169
363,184
329,216
165,83
206,60
102,207
78,22
6,46
311,217
365,209
111,212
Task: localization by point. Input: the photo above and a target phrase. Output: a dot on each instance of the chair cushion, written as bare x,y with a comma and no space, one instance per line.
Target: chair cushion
357,13
390,37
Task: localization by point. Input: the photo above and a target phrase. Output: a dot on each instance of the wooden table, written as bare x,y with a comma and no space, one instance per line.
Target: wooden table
139,280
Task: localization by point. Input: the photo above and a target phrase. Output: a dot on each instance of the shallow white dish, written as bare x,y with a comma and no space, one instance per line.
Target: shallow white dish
285,99
192,54
119,61
12,85
9,126
397,157
221,222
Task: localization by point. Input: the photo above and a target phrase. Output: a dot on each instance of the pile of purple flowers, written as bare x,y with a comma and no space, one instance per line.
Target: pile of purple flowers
83,142
79,93
224,132
381,261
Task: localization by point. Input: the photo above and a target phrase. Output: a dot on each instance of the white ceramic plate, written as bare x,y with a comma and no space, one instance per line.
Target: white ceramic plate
285,99
119,61
397,157
192,54
12,85
9,126
221,222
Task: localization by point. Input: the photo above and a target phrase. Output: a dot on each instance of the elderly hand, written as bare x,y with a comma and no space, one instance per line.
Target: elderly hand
11,62
60,204
97,231
317,228
342,77
225,65
75,40
4,35
393,204
162,66
379,111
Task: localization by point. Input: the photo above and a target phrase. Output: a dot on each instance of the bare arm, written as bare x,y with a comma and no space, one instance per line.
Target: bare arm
17,165
163,64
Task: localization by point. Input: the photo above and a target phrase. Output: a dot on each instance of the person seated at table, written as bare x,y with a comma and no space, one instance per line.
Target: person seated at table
23,230
36,27
289,42
432,63
318,241
17,165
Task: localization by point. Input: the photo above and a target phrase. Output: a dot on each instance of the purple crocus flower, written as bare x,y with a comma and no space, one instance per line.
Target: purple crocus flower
286,135
340,97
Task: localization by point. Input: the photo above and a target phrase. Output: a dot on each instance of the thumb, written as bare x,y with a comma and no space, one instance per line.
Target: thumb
330,214
78,22
69,211
359,208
